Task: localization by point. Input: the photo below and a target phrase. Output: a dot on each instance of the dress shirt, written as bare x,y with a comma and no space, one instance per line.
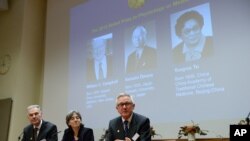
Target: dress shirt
103,63
194,53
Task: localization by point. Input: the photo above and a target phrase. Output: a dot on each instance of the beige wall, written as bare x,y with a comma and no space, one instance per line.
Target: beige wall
22,36
55,86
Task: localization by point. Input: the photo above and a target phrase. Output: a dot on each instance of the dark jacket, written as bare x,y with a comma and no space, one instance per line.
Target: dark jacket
139,124
179,57
148,60
47,131
84,134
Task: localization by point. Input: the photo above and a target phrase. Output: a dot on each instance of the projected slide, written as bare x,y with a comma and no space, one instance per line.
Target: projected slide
195,42
167,54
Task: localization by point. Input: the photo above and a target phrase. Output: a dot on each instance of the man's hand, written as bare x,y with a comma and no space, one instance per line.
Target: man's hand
126,139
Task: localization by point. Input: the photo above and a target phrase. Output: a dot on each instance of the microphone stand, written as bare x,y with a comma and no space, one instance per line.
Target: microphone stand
247,119
20,136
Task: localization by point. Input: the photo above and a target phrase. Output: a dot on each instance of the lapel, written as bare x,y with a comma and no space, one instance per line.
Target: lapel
30,133
41,131
133,126
120,128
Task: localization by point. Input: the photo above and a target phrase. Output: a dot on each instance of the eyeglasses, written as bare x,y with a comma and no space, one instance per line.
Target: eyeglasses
195,29
124,104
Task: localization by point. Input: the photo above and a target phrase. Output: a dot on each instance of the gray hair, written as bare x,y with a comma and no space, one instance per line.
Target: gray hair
34,106
141,30
124,95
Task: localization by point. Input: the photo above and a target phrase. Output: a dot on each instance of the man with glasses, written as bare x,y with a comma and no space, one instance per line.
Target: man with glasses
194,44
129,126
39,129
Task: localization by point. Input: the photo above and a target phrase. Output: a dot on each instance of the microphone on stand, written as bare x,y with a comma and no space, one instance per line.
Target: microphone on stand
56,133
247,119
59,132
20,136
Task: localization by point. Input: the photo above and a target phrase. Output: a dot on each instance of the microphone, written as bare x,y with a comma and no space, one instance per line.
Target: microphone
104,136
20,136
247,119
56,133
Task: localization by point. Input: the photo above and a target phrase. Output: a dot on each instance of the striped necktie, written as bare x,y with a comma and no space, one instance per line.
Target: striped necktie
126,128
101,75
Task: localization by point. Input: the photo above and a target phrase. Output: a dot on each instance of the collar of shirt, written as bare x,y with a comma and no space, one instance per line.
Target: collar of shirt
39,125
129,119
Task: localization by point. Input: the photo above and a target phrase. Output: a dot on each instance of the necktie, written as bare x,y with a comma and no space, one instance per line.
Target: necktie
126,128
138,56
137,59
100,71
35,134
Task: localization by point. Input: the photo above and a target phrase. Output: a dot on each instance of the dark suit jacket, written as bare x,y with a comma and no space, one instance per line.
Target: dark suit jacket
85,134
179,57
147,61
139,124
91,69
47,131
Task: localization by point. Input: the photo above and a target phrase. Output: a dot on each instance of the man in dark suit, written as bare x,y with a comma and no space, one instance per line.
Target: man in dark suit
194,45
144,57
129,126
39,129
99,66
